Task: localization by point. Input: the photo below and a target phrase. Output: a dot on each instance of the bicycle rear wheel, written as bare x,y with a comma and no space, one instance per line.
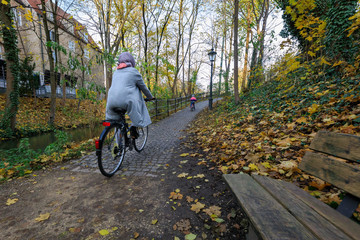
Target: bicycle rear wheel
140,142
112,151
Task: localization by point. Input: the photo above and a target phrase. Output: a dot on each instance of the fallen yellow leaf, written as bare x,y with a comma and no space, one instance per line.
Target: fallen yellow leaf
42,217
104,232
182,175
288,165
199,176
266,164
11,201
213,210
175,196
197,207
253,167
314,108
302,120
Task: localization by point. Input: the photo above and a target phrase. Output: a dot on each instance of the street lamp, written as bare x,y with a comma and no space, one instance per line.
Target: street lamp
212,55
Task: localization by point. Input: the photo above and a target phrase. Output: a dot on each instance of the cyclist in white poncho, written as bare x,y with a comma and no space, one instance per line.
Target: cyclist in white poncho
125,94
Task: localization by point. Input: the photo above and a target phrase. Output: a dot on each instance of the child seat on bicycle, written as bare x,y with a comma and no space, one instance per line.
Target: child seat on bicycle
125,94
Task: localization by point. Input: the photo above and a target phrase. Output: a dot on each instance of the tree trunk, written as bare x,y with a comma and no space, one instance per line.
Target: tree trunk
227,64
221,63
147,70
236,69
52,67
189,87
262,34
248,32
108,76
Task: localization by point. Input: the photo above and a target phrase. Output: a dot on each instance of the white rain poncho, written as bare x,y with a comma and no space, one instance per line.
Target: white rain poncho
125,93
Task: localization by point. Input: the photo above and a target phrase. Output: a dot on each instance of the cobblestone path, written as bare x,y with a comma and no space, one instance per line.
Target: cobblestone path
164,136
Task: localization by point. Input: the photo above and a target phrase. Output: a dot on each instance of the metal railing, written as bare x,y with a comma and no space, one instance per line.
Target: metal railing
160,108
45,91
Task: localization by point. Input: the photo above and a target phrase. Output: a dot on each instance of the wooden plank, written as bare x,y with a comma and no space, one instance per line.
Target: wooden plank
268,217
322,228
340,174
348,226
337,144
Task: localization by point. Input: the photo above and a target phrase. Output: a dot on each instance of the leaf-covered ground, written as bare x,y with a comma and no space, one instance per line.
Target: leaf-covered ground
33,114
188,200
272,127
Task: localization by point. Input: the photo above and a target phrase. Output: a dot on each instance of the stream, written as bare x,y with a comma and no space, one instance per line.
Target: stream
43,140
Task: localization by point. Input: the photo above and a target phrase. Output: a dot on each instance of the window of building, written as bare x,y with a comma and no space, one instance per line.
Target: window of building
1,53
47,78
72,46
71,28
71,81
87,53
2,69
17,17
84,36
54,55
52,35
50,16
42,79
87,69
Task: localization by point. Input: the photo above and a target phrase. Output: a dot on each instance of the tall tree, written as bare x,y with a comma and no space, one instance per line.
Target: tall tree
109,22
162,16
225,24
263,31
51,58
146,23
248,22
180,32
236,58
196,4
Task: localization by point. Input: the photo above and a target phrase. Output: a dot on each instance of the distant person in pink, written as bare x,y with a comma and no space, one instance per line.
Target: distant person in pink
192,101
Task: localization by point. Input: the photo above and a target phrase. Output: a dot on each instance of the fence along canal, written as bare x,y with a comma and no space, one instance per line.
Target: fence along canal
158,109
161,108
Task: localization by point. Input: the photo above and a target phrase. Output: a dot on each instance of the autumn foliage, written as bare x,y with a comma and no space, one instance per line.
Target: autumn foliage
272,127
33,114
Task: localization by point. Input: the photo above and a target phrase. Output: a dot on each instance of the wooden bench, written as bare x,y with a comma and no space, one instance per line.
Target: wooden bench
280,210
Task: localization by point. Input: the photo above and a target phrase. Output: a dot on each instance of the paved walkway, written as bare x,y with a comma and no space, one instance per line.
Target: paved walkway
75,201
163,137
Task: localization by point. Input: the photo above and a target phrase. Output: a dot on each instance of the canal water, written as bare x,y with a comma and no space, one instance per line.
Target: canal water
43,140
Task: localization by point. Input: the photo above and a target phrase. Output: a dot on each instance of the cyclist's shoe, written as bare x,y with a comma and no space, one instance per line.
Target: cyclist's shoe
133,132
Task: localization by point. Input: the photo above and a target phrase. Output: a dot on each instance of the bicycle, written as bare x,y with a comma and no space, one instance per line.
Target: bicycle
115,140
192,106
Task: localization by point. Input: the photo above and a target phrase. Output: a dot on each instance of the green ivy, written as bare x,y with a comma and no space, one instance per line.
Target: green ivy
12,55
338,45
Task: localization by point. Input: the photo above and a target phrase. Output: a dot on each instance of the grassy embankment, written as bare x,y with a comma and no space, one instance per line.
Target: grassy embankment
272,127
33,114
32,118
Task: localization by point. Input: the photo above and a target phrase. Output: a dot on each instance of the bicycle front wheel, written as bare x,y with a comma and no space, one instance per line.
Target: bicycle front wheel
139,143
112,151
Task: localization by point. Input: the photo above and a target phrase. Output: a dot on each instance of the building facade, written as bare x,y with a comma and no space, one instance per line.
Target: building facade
76,55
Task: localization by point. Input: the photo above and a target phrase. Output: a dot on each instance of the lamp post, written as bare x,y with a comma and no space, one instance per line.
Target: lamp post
212,55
